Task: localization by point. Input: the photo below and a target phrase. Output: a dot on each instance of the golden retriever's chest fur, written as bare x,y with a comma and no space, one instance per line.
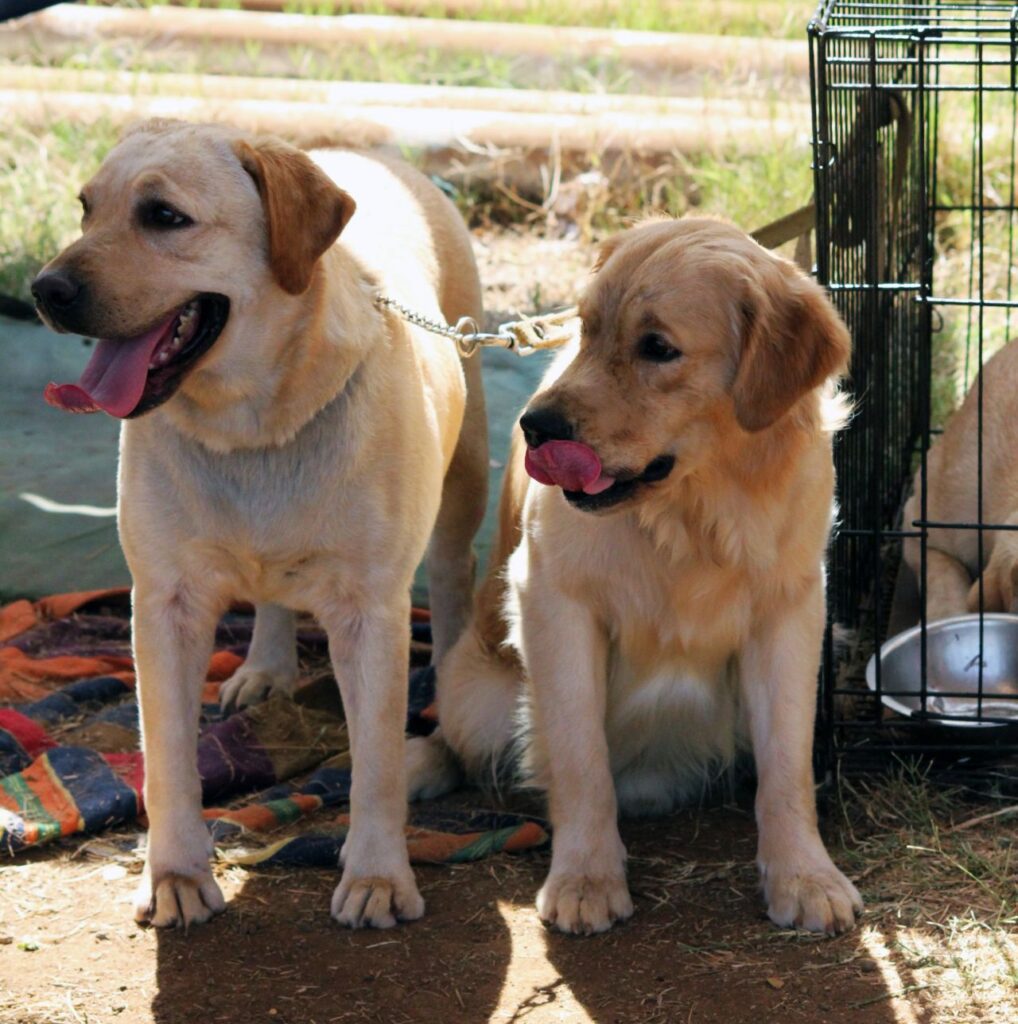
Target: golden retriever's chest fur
677,591
681,611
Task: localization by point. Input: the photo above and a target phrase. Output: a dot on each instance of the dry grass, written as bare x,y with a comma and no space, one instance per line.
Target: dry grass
775,18
39,211
940,870
42,174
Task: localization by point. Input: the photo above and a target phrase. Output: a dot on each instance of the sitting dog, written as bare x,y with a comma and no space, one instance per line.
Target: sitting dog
658,583
284,440
953,563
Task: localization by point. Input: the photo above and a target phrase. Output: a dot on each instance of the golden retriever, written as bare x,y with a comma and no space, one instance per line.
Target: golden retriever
284,440
658,586
953,564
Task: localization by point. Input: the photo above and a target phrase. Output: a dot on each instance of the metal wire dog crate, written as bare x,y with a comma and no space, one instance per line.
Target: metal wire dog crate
914,118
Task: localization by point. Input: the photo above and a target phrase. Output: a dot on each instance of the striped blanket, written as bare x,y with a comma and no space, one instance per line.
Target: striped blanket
70,764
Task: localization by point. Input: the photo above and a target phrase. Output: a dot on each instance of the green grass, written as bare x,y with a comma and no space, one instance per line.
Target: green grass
407,65
434,66
772,18
744,19
964,334
43,173
40,175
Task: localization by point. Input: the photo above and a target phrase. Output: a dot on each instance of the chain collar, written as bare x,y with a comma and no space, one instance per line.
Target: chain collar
524,337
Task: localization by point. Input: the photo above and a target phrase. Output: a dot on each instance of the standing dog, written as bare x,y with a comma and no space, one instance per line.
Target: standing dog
953,555
658,588
283,440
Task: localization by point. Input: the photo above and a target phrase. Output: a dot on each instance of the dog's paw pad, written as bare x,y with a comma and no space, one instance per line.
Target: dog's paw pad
816,901
582,905
249,686
376,902
177,900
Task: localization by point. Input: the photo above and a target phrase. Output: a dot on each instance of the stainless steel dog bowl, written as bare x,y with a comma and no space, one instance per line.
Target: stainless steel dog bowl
952,671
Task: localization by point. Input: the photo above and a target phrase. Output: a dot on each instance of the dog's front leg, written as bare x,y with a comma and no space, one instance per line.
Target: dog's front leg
778,674
370,652
565,653
174,632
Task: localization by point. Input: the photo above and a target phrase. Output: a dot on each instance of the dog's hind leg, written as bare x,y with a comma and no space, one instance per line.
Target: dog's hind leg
999,591
450,559
947,579
271,663
947,585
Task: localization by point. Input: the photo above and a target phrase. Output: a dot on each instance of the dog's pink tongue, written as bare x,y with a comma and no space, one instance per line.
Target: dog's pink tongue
569,465
115,376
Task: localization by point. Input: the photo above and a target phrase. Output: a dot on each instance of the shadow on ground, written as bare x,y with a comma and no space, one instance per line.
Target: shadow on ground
699,949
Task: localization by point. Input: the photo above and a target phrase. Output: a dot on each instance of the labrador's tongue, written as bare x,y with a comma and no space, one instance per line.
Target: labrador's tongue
569,465
115,376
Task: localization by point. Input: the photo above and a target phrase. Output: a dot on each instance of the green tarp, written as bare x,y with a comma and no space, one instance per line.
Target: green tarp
58,471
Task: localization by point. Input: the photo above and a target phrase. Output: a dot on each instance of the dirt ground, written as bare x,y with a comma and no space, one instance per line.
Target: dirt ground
698,950
705,954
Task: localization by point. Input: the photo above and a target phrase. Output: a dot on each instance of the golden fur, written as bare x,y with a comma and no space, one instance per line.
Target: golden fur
301,464
953,558
653,637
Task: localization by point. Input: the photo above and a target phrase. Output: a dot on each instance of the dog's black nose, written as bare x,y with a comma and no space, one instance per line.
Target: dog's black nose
545,423
57,291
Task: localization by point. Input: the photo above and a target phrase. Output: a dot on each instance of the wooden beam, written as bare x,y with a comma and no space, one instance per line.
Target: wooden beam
658,50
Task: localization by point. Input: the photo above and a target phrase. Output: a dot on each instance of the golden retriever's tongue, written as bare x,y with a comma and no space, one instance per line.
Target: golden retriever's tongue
115,376
569,465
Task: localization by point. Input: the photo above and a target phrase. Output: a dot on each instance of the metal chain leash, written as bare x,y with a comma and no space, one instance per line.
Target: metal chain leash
524,337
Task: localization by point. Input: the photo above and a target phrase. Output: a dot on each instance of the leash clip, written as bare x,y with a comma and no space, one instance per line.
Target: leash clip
523,337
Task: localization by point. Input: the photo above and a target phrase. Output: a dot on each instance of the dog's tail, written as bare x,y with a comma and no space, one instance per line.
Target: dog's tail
479,694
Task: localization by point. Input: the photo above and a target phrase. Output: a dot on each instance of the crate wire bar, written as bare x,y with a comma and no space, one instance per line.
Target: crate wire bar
914,117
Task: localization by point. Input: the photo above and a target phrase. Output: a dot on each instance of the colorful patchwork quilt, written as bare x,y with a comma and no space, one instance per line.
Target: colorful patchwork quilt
70,763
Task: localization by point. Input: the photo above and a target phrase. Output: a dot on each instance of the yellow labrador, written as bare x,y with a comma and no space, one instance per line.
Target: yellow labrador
658,588
284,441
953,564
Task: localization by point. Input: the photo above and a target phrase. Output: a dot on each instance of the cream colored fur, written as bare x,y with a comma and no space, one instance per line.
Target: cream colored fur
302,464
643,644
953,558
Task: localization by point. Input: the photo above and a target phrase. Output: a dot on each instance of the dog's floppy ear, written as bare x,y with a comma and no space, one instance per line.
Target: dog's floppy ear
793,340
304,210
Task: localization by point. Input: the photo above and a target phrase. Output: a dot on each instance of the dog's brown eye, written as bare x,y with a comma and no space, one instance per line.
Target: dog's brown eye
84,204
156,214
655,349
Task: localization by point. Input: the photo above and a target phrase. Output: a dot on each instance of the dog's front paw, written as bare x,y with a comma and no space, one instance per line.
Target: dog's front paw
177,887
168,899
817,898
376,901
251,685
582,904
